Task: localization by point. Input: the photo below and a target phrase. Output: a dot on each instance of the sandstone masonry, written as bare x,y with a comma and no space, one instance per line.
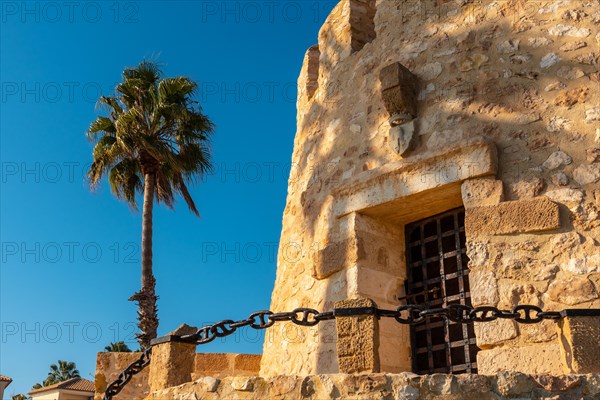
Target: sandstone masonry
407,109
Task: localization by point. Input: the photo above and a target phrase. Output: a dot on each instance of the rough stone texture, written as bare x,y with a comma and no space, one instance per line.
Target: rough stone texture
556,383
533,359
495,332
484,286
580,344
572,291
403,386
402,137
508,91
172,364
482,192
310,74
557,159
519,216
108,368
357,341
586,174
399,90
220,365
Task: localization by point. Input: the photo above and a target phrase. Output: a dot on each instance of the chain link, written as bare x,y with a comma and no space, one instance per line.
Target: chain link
407,314
124,377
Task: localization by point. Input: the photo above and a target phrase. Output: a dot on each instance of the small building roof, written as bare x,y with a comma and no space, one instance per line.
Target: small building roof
5,379
79,384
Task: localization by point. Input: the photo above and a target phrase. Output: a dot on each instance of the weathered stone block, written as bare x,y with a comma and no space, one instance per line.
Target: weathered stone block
482,192
520,216
535,359
572,291
417,186
287,386
512,384
243,384
308,81
494,332
364,384
484,288
357,343
473,384
334,257
209,383
172,362
442,384
214,364
399,92
246,363
558,383
580,344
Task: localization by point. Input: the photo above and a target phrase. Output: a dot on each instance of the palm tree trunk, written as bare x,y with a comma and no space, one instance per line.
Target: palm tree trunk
146,298
149,187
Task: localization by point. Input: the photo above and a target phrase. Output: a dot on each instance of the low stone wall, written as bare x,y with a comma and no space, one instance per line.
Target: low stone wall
404,386
220,365
108,368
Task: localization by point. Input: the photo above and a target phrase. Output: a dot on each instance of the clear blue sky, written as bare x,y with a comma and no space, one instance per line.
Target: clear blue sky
70,258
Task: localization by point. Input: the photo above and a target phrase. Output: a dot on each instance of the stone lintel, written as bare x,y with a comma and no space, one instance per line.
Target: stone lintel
407,183
580,344
519,216
357,338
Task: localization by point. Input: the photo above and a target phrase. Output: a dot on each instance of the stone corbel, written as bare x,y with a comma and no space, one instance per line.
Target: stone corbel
399,93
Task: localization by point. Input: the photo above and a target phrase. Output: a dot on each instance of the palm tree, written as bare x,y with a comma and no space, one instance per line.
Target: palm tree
60,372
154,140
118,347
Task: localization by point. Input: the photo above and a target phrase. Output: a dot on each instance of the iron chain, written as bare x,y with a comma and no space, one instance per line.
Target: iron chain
124,377
408,314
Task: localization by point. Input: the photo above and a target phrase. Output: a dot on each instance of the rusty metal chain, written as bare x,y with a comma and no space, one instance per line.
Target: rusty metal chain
124,377
408,314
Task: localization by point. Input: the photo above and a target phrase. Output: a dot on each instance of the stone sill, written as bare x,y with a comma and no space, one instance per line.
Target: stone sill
503,385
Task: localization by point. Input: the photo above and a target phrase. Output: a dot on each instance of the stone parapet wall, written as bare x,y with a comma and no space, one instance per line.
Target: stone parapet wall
221,365
171,365
404,386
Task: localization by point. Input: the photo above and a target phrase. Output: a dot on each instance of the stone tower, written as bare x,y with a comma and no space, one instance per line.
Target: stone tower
447,152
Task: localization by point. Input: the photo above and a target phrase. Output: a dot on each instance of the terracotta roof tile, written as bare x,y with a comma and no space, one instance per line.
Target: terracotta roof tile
80,384
5,379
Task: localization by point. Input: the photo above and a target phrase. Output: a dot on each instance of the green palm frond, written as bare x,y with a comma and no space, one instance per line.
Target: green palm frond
118,347
101,125
125,181
153,124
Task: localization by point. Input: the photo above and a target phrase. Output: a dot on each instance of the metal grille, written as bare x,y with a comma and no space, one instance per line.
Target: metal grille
437,277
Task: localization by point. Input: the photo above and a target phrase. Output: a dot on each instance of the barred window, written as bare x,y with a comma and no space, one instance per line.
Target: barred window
438,276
